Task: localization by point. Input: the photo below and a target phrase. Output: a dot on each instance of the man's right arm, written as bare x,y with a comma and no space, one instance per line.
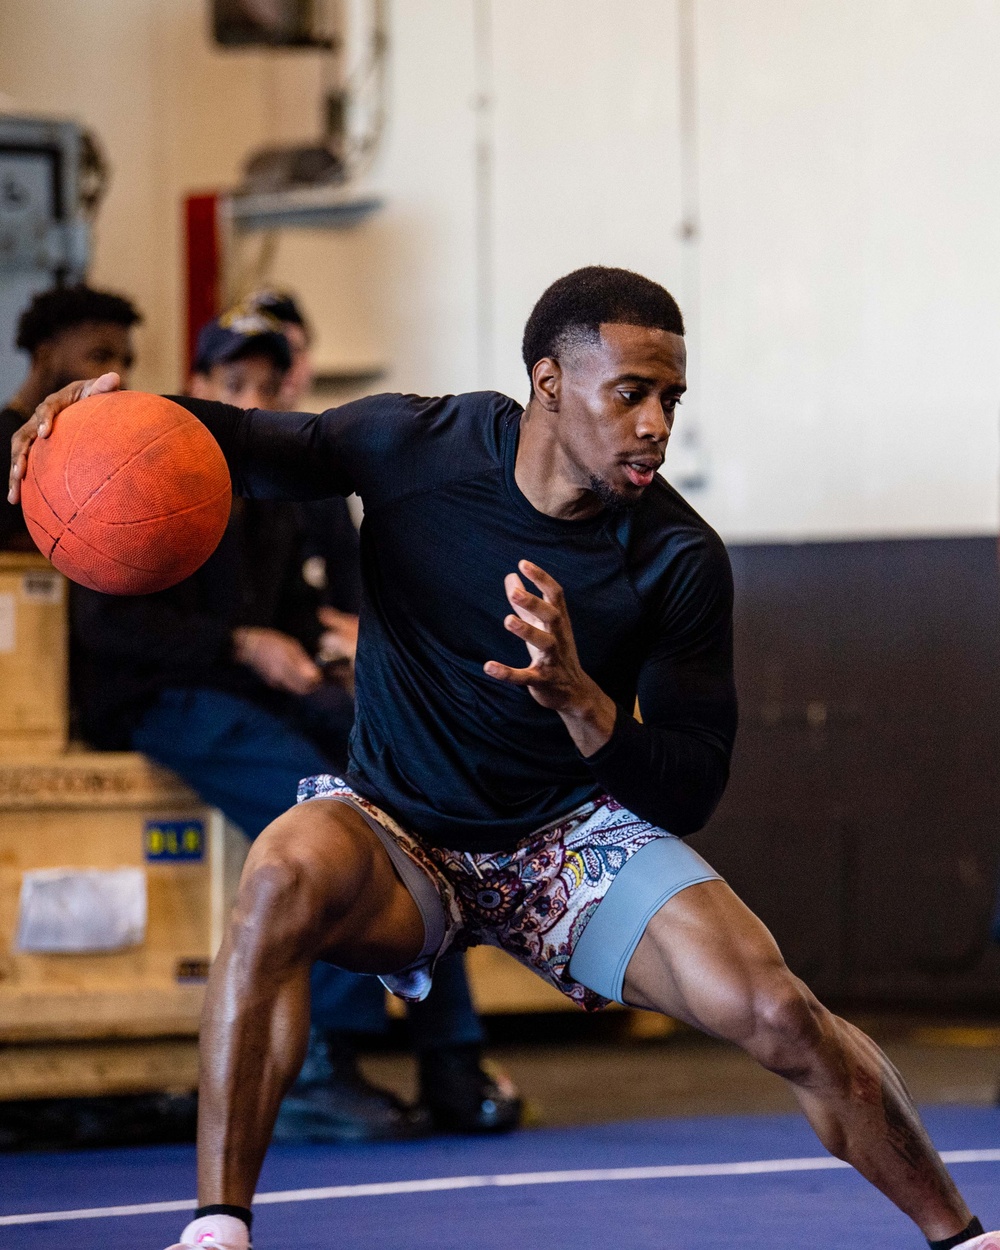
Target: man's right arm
277,455
378,447
271,455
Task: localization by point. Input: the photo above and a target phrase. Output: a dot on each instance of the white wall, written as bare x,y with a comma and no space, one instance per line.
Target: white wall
400,291
585,133
845,279
850,163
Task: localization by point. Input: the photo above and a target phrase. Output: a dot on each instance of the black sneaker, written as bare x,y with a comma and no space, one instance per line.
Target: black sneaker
461,1097
333,1102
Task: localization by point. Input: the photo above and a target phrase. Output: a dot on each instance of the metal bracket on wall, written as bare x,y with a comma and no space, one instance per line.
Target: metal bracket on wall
329,208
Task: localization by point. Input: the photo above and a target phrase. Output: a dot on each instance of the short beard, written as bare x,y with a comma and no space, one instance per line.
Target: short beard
614,501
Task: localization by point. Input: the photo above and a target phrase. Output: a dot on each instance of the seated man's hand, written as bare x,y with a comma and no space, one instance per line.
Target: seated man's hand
40,424
278,659
339,640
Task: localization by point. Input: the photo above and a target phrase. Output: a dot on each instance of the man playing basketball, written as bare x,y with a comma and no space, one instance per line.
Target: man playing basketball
489,800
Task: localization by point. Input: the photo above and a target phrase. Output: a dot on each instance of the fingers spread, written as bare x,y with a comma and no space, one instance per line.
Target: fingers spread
528,606
537,638
552,592
513,676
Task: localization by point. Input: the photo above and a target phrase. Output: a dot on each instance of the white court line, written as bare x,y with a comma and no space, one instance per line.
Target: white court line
378,1189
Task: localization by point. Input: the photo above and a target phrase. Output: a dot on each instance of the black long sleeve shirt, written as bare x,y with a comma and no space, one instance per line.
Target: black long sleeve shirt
466,761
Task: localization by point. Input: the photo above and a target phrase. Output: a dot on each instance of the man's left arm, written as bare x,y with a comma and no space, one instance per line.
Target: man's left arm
672,768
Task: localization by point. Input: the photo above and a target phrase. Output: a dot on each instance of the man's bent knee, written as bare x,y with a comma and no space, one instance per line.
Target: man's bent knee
276,913
789,1027
318,883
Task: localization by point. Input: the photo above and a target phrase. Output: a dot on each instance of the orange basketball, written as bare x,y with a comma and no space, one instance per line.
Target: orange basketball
128,494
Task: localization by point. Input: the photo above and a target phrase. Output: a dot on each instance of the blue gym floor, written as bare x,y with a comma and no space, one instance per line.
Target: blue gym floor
501,1199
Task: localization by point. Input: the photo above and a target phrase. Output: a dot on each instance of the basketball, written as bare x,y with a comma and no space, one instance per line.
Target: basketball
128,495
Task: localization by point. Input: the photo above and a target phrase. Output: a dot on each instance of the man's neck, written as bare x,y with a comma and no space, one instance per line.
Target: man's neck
545,476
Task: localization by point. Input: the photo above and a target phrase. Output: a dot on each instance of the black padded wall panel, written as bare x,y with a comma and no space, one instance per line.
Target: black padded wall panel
862,821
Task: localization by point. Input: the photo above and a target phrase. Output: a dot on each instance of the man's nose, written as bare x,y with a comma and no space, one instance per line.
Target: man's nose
653,422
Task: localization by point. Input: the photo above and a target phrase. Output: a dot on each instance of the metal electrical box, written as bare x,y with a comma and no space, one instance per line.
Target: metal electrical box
44,237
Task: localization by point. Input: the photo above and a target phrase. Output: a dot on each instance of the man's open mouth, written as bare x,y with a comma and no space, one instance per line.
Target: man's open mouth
640,473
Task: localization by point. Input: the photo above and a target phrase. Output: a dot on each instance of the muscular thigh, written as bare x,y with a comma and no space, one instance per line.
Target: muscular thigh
705,958
338,886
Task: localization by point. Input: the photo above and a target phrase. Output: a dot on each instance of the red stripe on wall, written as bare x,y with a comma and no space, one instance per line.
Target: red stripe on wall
203,262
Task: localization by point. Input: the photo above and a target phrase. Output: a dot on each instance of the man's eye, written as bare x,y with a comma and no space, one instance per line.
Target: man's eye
630,395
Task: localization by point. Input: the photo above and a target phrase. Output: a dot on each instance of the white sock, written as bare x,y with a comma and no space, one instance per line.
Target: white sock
225,1231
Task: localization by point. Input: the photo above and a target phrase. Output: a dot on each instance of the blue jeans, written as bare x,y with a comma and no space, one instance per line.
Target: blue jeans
248,762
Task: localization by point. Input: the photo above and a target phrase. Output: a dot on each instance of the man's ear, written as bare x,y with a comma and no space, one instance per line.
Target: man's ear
546,383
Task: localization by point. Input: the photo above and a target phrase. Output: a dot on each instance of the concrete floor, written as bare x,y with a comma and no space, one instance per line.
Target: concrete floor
584,1074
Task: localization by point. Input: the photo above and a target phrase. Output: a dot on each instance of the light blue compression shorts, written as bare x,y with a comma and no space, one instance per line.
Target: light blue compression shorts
571,901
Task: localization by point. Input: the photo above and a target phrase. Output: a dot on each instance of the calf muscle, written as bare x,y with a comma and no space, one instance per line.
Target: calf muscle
316,883
706,959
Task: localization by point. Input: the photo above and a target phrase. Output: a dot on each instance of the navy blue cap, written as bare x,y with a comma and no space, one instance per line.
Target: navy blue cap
237,334
278,304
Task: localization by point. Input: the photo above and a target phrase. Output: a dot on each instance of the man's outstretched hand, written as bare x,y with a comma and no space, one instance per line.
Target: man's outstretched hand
554,677
39,425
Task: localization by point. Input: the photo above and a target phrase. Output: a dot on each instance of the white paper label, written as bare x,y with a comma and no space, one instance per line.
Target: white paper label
8,625
76,910
41,586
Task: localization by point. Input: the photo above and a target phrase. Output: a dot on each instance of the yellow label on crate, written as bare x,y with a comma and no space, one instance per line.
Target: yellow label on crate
174,840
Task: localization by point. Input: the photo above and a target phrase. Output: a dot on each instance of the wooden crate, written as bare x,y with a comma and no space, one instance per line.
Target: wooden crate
33,633
108,810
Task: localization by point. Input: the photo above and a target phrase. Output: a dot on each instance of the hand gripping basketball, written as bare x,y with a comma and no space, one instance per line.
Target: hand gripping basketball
39,425
125,493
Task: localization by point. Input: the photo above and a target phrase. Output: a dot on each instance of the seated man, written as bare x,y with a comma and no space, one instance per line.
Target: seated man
215,679
69,332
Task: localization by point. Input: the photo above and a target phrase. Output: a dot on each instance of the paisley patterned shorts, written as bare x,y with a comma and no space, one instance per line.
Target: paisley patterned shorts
536,901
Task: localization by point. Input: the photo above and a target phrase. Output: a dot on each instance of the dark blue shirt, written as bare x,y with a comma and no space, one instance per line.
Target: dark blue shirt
466,761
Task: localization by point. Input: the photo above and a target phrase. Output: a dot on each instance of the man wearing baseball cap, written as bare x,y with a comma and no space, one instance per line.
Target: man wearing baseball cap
241,358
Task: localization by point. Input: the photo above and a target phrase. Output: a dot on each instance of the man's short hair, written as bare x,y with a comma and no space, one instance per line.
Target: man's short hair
53,311
574,308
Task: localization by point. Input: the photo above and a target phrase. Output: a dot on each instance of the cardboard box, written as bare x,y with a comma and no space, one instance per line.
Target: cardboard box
34,714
